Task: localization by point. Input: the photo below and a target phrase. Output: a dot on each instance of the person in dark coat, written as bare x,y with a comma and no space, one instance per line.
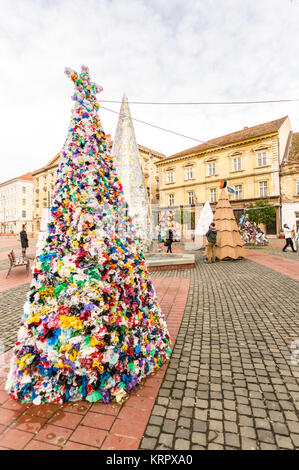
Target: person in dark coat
24,240
169,241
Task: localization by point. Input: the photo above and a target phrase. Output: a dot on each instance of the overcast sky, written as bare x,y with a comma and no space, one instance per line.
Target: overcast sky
153,50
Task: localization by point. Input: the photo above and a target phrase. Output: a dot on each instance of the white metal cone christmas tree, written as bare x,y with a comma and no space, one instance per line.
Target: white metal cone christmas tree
92,327
129,169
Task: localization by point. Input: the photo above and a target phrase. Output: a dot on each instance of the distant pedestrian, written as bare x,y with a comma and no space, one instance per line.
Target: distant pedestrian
288,238
24,239
297,239
211,246
169,241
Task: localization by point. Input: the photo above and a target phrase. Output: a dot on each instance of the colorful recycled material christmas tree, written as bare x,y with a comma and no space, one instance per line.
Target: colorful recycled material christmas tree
92,327
229,242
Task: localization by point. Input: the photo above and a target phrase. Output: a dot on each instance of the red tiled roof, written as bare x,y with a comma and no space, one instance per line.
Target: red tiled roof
246,133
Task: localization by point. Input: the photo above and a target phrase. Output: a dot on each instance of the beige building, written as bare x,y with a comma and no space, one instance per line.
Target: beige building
149,159
44,180
248,159
290,184
16,204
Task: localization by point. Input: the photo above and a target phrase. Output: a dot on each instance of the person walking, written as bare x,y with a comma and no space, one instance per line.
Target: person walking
24,240
211,246
169,241
288,238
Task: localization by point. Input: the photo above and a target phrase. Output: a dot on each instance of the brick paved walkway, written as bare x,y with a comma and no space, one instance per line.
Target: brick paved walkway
276,251
17,277
284,265
11,309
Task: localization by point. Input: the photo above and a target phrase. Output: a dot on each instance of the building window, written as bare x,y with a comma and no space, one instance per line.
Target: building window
170,177
213,195
263,188
211,169
238,191
23,202
262,158
191,197
24,189
23,214
237,166
189,173
297,187
171,199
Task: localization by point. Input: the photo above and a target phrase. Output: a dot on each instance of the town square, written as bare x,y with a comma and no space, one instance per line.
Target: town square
149,252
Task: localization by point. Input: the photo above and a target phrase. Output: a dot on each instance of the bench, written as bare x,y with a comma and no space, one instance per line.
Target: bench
15,262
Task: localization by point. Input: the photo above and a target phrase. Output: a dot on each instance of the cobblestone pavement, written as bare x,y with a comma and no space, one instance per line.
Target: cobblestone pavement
4,263
230,383
6,247
277,251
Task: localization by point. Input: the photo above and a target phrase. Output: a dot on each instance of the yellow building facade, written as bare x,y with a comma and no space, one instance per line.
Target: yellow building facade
44,180
248,159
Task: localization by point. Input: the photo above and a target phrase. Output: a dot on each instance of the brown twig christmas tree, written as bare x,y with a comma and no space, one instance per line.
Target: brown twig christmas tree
229,244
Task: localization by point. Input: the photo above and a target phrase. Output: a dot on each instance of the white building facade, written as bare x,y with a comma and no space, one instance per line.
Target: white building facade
16,204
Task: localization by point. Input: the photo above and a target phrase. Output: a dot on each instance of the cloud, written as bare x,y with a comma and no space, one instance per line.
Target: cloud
179,50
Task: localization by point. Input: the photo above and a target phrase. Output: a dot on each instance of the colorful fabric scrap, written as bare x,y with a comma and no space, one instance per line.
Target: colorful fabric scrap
92,326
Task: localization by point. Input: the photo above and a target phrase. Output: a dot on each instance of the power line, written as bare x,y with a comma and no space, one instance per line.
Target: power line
155,126
163,128
203,102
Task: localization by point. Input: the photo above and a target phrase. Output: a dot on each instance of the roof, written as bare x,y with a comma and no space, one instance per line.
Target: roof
52,163
294,149
153,152
246,133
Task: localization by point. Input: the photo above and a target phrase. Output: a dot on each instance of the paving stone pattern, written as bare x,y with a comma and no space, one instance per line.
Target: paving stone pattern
16,246
230,383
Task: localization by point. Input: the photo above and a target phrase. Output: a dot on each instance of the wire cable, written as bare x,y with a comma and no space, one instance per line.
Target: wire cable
163,129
